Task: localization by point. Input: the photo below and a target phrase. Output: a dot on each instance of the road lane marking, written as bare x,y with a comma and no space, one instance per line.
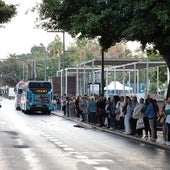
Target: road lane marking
81,157
100,168
95,161
90,162
68,149
59,143
63,146
77,155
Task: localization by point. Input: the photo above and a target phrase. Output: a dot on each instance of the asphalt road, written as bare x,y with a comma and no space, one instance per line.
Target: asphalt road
41,142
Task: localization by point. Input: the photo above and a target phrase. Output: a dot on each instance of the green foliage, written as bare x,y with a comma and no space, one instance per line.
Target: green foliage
147,21
10,71
6,12
87,19
111,21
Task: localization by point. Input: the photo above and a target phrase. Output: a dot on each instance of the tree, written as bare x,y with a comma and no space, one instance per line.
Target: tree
84,18
10,71
6,12
55,49
111,21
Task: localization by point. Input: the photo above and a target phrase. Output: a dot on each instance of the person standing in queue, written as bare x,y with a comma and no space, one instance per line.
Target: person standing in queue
150,111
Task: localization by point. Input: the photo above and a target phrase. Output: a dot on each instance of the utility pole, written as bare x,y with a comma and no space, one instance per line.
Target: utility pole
45,65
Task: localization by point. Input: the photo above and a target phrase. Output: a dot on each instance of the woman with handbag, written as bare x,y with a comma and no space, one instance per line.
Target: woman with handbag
138,116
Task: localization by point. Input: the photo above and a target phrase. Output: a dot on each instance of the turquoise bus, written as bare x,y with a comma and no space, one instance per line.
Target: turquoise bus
37,96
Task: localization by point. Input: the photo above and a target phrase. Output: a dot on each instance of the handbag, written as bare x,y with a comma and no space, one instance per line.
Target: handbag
117,117
140,123
161,120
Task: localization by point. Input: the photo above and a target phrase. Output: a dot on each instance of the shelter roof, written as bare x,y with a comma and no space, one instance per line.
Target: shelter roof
110,62
142,65
128,63
81,69
122,63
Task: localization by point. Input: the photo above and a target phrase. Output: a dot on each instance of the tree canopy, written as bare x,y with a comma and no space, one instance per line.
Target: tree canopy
6,12
147,21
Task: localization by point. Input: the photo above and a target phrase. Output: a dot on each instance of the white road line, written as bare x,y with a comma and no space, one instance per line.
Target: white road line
54,140
95,161
63,146
104,160
81,157
101,168
68,149
46,135
34,162
50,138
90,162
59,143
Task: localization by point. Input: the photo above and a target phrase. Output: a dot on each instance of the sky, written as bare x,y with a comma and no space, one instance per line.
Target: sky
20,34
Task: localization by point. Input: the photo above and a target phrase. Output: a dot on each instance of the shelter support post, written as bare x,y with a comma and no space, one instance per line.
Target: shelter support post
123,79
66,83
84,81
137,84
102,76
77,82
147,78
115,80
134,78
93,77
129,82
61,83
107,83
157,80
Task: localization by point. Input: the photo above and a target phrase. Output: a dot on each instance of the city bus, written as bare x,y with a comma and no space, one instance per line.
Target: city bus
37,96
18,92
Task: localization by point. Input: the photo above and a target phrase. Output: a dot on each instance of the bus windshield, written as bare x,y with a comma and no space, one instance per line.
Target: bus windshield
39,85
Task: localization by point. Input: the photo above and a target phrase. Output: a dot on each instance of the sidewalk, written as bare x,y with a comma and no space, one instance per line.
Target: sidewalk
157,143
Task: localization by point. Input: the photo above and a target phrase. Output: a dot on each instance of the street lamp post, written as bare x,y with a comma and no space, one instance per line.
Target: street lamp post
45,65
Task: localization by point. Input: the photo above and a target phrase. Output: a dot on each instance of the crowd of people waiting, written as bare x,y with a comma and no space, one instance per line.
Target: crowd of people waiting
122,113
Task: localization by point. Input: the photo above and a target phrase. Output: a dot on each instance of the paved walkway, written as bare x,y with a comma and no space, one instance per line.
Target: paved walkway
157,143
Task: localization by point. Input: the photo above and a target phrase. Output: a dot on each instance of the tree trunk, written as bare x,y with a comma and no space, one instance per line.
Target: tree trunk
167,60
102,76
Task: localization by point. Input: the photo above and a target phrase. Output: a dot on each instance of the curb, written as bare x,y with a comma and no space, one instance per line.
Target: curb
85,125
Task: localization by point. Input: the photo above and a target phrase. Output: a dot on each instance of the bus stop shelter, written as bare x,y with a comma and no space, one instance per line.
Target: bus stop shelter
93,67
